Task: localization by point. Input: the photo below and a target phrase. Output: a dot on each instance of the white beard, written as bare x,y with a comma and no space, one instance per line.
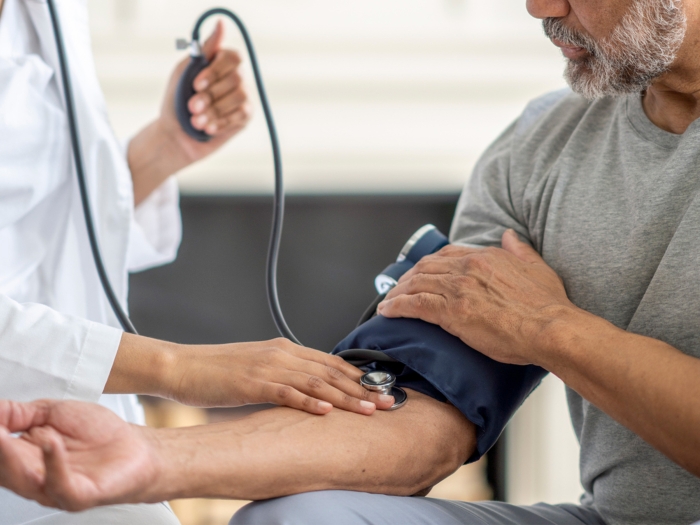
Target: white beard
641,49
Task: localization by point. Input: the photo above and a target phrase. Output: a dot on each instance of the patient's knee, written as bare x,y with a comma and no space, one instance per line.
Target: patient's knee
313,508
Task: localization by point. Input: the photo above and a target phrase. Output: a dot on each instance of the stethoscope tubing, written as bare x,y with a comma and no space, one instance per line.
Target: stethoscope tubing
358,357
119,312
279,196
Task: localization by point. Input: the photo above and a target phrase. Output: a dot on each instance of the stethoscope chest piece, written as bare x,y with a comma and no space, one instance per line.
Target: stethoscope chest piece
383,383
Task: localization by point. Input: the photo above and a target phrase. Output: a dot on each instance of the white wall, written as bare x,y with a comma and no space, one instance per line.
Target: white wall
369,95
542,449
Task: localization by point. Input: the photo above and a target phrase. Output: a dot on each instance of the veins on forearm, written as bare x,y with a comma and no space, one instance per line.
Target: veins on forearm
282,451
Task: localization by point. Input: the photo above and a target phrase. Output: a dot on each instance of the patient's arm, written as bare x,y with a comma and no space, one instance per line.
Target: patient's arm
271,453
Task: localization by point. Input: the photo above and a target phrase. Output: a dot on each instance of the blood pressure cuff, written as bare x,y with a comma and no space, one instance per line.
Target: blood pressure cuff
439,365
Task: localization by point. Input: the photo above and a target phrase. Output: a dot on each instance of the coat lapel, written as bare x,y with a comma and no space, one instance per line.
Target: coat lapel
41,19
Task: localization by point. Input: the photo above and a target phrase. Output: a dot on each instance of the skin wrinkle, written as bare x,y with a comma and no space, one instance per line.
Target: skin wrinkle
640,49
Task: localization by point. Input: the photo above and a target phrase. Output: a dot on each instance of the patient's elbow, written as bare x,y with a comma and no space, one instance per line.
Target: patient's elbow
440,440
449,452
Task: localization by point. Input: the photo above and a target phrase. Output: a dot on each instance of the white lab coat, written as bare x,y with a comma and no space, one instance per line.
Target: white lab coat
58,335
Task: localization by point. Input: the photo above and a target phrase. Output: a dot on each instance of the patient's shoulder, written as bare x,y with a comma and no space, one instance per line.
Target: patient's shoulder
548,122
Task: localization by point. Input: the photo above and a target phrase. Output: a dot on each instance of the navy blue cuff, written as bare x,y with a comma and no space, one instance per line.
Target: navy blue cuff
439,365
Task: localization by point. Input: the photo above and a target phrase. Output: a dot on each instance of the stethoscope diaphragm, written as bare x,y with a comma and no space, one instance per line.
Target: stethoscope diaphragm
384,383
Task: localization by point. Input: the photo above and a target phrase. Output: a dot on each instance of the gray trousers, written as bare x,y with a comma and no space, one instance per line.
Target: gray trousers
157,514
336,507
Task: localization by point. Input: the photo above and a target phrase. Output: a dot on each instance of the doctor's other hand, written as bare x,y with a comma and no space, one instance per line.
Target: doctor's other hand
220,105
498,301
74,455
278,372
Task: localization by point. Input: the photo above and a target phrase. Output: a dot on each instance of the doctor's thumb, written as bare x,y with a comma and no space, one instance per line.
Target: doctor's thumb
213,44
523,251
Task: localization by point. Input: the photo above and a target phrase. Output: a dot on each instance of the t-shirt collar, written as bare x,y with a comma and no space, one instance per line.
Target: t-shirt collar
650,131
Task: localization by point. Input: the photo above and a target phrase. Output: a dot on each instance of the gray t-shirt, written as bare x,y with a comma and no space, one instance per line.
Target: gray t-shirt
613,205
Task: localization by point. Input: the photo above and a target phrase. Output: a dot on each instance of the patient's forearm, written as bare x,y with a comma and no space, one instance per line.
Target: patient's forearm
283,451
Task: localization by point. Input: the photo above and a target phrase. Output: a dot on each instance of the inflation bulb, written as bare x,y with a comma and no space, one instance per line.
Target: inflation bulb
185,88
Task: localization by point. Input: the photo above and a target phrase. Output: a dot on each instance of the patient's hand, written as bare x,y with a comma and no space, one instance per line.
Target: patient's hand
73,455
498,301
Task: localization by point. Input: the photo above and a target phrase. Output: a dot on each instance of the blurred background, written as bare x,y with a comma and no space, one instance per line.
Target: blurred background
383,107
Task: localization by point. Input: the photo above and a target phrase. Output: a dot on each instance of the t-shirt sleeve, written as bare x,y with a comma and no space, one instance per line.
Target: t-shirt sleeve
487,207
44,354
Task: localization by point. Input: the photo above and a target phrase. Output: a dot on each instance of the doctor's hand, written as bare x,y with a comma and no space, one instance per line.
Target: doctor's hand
498,301
74,455
220,107
277,371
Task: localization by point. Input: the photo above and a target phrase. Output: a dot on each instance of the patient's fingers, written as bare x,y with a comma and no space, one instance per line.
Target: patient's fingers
19,417
21,468
61,484
426,306
431,265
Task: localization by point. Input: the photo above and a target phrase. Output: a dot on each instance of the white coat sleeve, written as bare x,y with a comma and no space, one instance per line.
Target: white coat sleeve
44,354
156,230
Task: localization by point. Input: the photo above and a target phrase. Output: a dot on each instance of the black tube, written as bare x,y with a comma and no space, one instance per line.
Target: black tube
79,168
371,310
361,357
278,205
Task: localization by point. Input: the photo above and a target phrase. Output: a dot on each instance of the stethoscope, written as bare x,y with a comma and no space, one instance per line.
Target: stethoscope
378,381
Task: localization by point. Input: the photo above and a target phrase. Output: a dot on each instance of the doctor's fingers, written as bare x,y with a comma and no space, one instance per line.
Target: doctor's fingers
328,360
285,395
231,111
212,45
230,124
221,75
335,387
312,394
330,384
216,105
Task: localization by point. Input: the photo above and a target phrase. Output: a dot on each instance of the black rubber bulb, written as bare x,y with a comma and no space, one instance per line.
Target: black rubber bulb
185,91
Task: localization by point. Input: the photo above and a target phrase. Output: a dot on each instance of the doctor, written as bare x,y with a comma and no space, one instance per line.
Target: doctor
58,336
